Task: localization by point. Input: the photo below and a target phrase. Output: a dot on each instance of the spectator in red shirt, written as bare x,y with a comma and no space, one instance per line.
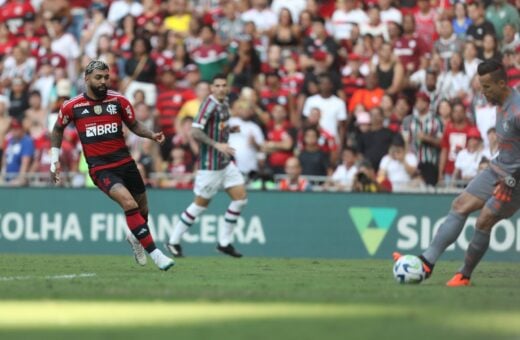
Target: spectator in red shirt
425,20
453,140
410,47
273,94
279,143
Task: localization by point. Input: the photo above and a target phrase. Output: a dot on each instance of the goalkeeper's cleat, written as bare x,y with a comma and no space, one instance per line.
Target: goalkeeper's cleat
458,280
229,250
396,255
427,266
137,248
162,261
175,249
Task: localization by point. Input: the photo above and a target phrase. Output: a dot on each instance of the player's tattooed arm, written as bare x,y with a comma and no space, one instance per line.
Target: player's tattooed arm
142,131
202,137
57,135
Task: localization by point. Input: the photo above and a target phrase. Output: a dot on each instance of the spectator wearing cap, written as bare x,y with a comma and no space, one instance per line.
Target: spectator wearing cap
422,131
374,143
18,155
261,15
453,140
121,8
511,39
453,83
468,159
210,57
369,97
500,13
230,26
346,15
65,44
448,42
333,109
409,47
399,166
480,25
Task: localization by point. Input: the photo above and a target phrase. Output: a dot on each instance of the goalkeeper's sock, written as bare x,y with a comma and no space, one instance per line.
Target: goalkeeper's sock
186,220
477,248
446,235
139,228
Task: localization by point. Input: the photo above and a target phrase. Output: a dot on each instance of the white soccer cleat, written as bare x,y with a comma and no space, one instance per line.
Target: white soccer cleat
162,261
137,248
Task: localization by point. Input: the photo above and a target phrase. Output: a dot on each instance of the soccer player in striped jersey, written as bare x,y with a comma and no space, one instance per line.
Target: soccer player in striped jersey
211,129
98,115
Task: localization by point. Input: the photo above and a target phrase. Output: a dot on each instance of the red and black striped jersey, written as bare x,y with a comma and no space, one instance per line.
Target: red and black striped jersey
99,126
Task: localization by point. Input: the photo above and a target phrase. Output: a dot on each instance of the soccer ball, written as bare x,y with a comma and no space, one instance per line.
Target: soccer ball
409,269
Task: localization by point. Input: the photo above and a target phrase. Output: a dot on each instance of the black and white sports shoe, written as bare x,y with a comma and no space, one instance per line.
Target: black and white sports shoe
228,250
174,249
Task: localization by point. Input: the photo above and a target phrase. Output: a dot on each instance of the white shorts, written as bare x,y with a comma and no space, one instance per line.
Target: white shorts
208,182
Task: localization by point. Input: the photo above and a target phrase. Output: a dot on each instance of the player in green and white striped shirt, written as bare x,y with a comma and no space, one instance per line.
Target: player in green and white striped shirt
210,128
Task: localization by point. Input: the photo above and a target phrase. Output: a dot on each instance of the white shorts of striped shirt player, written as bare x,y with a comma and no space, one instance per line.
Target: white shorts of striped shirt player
209,182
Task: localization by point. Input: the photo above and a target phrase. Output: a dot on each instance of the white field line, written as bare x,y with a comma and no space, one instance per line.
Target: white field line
49,277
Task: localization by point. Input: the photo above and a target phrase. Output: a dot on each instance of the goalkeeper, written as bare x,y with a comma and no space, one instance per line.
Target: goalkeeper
495,191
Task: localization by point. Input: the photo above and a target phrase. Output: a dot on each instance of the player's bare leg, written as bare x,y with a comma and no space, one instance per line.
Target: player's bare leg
186,220
137,248
238,197
138,225
477,247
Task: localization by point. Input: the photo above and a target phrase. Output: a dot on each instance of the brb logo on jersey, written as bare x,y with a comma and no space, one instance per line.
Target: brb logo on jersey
93,130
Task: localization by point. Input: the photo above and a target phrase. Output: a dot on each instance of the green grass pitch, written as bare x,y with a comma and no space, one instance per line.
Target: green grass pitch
111,297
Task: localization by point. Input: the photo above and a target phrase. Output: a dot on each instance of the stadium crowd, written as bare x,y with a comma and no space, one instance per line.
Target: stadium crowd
374,95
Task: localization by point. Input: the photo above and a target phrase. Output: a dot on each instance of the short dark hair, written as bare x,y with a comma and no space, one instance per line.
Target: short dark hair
218,76
96,65
493,67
